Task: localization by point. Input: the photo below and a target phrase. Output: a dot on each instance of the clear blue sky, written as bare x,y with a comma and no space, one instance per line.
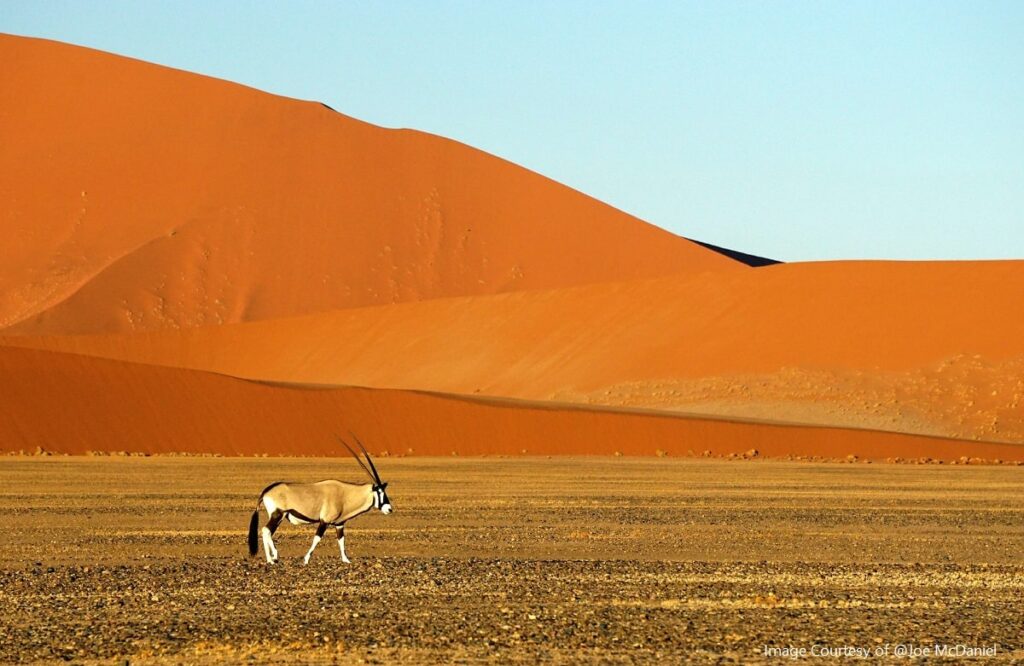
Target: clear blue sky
797,130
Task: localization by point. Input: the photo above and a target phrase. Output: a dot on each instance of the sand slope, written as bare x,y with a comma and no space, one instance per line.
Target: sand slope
934,348
168,219
82,403
138,197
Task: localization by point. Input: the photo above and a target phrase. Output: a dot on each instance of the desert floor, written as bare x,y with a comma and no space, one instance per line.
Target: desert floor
603,559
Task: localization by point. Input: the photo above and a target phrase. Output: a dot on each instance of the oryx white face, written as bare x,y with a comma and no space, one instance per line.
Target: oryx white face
380,498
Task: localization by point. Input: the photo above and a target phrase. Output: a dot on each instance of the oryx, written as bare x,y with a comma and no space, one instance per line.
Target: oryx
326,503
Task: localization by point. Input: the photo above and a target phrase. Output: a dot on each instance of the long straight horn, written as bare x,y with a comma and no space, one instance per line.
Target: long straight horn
368,458
356,456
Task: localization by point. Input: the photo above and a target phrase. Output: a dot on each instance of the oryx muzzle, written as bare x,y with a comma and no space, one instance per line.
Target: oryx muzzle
328,503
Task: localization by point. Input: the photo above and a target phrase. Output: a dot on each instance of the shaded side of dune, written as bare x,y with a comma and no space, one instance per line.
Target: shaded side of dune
751,260
67,403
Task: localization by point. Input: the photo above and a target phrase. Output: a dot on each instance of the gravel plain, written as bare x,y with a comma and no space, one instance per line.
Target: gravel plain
609,560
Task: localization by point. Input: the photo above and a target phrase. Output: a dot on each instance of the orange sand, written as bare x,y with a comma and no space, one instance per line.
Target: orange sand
854,315
81,404
869,344
137,197
199,225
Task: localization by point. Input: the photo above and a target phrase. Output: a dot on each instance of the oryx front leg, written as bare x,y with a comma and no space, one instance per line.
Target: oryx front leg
268,537
320,529
341,544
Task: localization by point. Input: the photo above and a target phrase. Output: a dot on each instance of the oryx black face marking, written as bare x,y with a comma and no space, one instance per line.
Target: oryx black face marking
380,498
324,503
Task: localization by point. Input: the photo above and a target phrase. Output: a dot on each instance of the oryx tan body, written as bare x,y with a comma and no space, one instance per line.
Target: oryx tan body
332,502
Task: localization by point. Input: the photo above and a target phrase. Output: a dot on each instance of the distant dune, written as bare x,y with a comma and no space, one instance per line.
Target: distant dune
934,348
83,404
140,197
161,226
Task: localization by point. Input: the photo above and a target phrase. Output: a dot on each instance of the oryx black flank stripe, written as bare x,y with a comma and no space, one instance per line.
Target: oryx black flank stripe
293,512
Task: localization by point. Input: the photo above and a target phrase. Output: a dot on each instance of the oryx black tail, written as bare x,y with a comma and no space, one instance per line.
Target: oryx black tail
254,524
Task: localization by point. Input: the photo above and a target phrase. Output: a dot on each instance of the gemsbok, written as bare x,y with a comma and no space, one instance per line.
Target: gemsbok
328,503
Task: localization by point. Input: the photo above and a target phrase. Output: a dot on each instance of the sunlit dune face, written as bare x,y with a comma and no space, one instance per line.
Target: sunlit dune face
188,219
485,280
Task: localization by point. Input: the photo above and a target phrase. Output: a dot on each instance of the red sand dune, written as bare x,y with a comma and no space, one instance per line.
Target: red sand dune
869,344
138,197
187,222
85,404
868,315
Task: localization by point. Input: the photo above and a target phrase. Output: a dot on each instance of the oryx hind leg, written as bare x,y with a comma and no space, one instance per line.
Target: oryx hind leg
320,529
269,549
341,544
